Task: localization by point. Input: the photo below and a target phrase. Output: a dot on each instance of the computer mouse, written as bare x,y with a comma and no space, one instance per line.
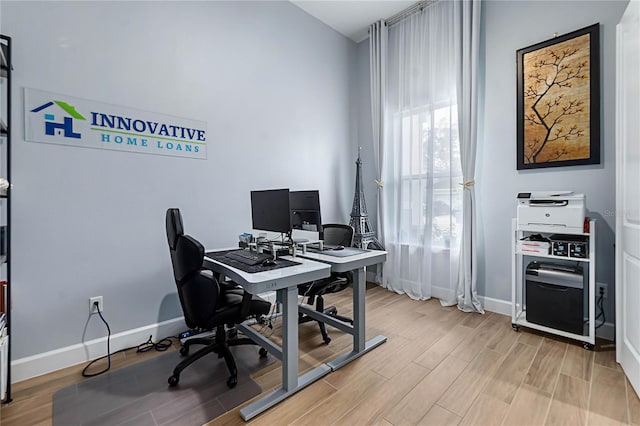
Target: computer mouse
339,248
268,262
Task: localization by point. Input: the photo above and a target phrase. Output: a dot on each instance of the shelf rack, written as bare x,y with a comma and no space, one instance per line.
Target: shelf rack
518,307
5,204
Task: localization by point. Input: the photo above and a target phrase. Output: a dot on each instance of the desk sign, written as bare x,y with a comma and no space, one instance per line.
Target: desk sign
66,120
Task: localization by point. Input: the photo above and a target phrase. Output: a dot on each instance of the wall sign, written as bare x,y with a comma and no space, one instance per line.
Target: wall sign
66,120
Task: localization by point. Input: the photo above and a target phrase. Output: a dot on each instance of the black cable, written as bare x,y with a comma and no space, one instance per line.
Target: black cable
159,346
600,304
108,356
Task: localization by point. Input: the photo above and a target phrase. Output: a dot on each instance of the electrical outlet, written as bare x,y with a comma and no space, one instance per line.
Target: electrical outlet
92,308
605,290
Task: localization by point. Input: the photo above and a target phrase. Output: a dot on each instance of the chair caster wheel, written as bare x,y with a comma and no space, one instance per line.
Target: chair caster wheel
263,353
232,382
515,327
173,381
587,346
327,340
184,351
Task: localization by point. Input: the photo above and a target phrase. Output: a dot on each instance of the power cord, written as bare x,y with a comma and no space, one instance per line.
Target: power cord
108,356
159,346
600,304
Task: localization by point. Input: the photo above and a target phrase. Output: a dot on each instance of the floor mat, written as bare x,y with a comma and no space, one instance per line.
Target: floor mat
139,394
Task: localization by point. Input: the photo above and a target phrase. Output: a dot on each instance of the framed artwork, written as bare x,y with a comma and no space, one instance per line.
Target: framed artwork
558,112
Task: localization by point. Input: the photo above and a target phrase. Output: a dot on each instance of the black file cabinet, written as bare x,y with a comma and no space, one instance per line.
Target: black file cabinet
555,296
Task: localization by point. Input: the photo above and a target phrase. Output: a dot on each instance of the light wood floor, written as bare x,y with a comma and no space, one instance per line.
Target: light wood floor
439,366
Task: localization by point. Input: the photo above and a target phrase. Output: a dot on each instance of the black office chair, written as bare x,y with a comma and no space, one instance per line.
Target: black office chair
206,305
175,228
336,235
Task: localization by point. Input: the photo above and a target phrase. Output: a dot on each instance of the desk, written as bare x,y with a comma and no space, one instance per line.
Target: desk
313,266
356,264
285,281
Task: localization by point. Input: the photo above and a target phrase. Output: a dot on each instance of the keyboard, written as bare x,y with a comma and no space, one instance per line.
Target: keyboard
248,257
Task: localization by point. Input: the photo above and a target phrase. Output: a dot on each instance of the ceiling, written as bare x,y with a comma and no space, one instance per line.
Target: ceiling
352,17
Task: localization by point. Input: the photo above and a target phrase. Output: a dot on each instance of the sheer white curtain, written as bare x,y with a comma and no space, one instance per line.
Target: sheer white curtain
468,47
421,166
378,76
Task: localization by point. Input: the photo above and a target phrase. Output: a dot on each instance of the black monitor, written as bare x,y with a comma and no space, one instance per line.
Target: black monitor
305,210
270,210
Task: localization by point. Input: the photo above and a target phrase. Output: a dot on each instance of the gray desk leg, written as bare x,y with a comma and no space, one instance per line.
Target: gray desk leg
291,383
289,338
359,290
360,346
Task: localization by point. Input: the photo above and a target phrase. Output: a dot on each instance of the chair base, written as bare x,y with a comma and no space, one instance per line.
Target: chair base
218,344
331,310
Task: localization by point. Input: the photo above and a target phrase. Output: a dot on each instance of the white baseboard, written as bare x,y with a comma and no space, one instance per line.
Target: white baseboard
47,362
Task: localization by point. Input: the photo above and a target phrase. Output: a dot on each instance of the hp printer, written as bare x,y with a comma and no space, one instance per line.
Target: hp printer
555,211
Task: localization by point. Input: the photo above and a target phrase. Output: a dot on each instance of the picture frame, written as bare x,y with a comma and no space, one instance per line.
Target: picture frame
558,101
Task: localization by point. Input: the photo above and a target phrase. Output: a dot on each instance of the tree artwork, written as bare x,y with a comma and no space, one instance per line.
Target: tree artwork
555,103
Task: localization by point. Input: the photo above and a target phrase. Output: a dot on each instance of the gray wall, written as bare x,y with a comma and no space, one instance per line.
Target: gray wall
507,27
274,85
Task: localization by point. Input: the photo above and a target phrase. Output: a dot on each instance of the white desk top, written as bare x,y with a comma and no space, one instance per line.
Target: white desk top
274,279
347,263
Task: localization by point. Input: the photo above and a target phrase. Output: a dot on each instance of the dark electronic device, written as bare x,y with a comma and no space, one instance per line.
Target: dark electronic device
248,257
305,210
576,246
554,296
559,248
270,210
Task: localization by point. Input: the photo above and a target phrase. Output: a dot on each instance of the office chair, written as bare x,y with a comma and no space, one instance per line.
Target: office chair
175,228
208,306
337,235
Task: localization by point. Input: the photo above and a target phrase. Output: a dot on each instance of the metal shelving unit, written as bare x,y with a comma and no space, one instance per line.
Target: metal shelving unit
5,209
518,302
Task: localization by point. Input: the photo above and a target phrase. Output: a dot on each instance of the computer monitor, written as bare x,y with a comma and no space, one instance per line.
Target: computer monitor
305,210
270,210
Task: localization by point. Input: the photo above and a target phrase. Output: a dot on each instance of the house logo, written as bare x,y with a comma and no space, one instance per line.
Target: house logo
64,128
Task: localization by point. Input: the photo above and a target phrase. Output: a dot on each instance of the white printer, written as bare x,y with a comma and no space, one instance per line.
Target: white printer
553,211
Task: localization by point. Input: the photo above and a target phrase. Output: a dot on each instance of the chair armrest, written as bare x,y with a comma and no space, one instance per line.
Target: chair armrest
245,308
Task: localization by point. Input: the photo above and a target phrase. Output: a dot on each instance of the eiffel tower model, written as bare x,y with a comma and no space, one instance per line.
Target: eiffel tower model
363,236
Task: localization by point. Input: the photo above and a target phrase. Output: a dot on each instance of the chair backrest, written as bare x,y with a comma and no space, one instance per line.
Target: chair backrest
174,227
338,234
199,293
174,231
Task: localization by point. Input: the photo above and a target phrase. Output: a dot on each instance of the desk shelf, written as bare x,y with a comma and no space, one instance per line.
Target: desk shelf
550,256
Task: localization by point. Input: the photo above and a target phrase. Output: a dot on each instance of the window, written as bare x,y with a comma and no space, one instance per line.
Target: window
431,198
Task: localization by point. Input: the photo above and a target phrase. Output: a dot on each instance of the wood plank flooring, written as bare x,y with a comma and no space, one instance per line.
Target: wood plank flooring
439,367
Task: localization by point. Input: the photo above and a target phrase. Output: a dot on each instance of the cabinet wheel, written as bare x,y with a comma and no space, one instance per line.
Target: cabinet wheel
262,353
515,327
173,381
588,346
